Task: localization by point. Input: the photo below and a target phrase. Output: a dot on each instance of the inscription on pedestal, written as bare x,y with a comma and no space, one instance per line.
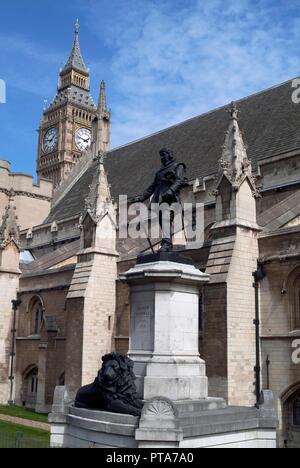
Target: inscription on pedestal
142,336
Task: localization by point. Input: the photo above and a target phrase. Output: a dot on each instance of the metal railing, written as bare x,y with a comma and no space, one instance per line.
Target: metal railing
21,441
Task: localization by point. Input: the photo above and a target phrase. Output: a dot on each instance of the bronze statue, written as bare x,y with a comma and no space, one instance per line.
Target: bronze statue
114,388
166,187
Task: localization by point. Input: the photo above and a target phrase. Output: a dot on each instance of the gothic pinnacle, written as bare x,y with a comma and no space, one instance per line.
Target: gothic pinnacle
233,111
102,98
75,61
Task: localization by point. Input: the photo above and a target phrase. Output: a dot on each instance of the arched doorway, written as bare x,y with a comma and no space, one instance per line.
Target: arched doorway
30,387
291,416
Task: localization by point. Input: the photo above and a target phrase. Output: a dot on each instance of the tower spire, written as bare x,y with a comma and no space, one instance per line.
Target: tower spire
234,163
102,107
75,61
73,97
101,125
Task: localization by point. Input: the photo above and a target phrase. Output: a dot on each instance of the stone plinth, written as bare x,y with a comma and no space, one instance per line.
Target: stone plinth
165,424
165,329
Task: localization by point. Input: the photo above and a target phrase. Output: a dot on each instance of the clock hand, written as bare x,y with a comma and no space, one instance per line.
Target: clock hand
85,141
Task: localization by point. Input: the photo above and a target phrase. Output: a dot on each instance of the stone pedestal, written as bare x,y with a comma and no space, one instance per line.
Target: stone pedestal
171,377
164,338
164,424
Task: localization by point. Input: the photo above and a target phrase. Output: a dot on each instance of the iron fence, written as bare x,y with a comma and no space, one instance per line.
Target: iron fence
21,441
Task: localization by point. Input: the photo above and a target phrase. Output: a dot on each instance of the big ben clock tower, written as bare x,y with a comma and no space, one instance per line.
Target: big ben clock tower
66,127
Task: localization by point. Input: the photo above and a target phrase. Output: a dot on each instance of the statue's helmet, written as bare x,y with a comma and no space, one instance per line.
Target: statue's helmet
165,152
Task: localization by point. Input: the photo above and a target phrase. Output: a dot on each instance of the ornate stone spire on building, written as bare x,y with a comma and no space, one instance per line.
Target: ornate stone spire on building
235,189
75,61
101,125
9,230
233,259
235,164
102,107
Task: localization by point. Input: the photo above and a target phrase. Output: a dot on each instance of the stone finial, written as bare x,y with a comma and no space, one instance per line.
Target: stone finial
77,26
234,163
233,110
9,229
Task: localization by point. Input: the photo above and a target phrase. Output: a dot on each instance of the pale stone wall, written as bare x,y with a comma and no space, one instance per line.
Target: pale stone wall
31,200
8,290
45,351
99,315
213,343
245,205
92,294
240,316
280,170
278,336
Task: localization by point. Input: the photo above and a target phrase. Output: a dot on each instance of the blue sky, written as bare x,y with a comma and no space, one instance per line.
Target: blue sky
164,61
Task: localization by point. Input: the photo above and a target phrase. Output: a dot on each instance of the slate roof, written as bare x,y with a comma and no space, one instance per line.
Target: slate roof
74,201
281,214
51,259
270,123
73,95
75,61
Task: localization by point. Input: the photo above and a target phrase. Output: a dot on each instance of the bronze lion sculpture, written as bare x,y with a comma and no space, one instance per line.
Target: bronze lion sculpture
114,388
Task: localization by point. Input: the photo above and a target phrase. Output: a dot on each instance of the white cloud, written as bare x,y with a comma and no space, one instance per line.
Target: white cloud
174,59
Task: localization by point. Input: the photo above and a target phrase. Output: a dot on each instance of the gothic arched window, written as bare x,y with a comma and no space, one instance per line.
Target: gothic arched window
296,314
37,315
296,412
292,287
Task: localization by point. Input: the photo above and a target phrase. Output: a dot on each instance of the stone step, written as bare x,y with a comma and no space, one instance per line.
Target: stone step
225,416
187,407
104,416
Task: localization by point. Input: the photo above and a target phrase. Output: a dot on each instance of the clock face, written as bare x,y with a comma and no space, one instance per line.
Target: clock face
50,140
83,139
